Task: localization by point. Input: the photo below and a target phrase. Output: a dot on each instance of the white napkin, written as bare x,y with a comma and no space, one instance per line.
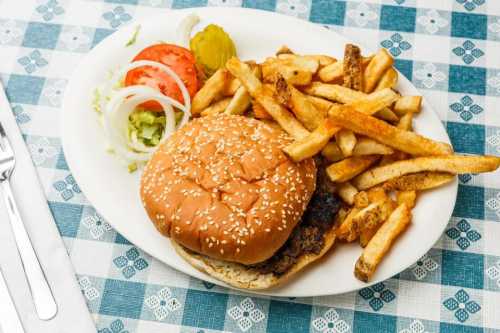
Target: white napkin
73,315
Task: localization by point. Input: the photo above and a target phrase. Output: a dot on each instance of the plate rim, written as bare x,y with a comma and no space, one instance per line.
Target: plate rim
64,135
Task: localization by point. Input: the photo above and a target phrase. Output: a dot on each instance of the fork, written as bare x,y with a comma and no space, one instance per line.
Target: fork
43,299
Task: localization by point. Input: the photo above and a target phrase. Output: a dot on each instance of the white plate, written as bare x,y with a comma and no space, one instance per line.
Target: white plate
257,34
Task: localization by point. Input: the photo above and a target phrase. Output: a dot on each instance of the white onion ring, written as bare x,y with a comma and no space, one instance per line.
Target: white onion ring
185,27
119,141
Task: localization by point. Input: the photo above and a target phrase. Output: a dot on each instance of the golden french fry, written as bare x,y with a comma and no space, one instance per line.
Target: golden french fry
361,199
349,168
408,104
366,235
387,115
419,181
406,197
320,103
210,90
296,70
380,63
352,67
303,109
323,60
282,116
455,164
396,156
231,87
362,102
347,230
388,80
381,242
216,108
332,152
346,140
406,122
239,103
373,215
367,146
284,50
347,192
409,142
313,143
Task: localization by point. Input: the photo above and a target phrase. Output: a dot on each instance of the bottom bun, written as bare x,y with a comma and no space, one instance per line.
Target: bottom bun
245,277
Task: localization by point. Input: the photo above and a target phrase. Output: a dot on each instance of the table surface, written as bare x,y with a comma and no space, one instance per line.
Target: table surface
449,49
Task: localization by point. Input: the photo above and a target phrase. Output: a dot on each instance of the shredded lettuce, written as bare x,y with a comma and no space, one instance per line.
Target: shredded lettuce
146,126
133,39
96,101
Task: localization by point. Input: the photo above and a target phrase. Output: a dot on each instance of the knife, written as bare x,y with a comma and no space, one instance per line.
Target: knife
9,318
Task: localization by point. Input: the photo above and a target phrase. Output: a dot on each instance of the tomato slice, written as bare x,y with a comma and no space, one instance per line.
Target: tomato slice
179,59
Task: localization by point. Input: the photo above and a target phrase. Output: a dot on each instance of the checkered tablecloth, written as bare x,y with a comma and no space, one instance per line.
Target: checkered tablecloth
451,52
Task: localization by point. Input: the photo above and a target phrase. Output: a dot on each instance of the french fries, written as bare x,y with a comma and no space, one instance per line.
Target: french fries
279,113
381,242
216,108
419,181
408,104
367,146
349,168
409,142
212,88
346,141
347,192
349,112
380,63
332,152
313,143
455,164
304,110
352,67
388,80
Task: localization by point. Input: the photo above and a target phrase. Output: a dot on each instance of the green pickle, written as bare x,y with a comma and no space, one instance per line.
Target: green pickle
212,47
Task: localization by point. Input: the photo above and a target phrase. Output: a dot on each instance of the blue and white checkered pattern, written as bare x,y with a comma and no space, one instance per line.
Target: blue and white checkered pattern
449,49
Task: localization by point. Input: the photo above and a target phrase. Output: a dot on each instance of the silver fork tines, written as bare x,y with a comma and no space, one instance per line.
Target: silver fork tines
43,299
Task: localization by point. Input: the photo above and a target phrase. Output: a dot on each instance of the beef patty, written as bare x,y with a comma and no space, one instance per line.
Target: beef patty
307,237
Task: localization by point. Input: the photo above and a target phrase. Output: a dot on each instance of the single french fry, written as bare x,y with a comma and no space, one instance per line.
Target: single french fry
409,142
284,50
296,70
373,215
320,103
347,230
347,192
231,87
419,181
455,164
216,108
369,104
323,60
346,140
210,90
387,115
380,63
332,152
366,235
367,146
282,116
313,143
406,122
388,80
350,167
352,67
239,103
304,110
259,112
406,197
381,242
408,104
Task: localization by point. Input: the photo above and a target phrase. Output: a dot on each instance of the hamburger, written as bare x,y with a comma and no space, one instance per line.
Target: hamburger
235,206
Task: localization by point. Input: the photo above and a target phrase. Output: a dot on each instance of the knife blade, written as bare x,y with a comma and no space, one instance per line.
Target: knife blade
9,318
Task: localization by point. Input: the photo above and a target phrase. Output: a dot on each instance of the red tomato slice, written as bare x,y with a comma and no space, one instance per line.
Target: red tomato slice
179,59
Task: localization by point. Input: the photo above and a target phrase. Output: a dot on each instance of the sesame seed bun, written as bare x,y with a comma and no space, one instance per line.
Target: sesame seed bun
245,277
222,187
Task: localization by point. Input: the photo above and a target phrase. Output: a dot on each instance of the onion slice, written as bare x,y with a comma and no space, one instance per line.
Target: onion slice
184,29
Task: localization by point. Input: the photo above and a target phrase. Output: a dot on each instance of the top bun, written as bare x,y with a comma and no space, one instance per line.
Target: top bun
221,186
